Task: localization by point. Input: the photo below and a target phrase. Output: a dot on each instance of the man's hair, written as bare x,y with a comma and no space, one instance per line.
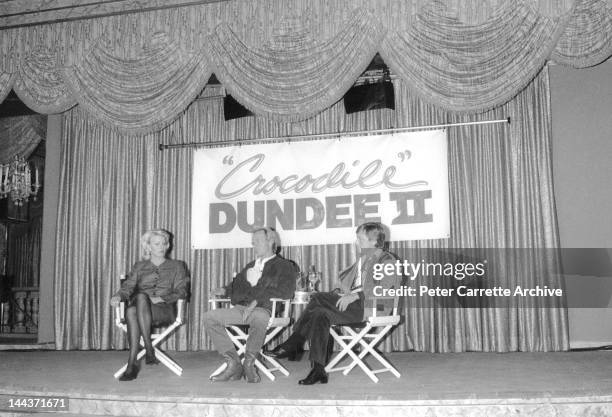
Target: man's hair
374,231
271,234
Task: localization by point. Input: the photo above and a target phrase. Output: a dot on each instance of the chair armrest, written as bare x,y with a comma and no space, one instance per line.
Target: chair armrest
120,313
180,310
384,320
120,309
286,301
375,313
214,302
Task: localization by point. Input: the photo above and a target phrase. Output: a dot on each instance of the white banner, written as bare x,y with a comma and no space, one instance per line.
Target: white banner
317,192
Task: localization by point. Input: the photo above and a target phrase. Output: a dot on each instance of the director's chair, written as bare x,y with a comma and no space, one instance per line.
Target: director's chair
156,338
279,319
367,335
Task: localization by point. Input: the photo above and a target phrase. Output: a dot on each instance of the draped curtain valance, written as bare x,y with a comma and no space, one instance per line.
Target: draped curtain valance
20,135
289,60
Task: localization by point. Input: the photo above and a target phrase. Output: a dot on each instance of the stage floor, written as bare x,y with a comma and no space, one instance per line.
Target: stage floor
562,383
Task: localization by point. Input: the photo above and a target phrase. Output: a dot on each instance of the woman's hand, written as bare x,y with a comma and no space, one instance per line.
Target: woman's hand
344,301
115,301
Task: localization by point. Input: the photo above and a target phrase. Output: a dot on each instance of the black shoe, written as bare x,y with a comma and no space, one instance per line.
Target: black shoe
316,374
280,352
130,374
151,359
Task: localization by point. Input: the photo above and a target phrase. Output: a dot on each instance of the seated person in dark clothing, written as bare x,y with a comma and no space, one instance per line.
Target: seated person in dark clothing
343,305
151,291
268,276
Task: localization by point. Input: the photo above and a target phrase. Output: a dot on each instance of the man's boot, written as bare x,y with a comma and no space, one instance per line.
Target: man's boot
233,371
249,367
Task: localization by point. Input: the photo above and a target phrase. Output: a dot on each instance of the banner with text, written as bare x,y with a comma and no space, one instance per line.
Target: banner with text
317,192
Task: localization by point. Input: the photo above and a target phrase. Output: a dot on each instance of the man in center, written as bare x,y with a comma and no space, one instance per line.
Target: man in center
268,276
343,305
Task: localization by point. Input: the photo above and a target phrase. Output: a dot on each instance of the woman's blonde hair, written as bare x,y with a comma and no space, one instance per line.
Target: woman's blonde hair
146,239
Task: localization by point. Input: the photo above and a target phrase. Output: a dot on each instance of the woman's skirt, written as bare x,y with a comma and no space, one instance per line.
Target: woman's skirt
162,314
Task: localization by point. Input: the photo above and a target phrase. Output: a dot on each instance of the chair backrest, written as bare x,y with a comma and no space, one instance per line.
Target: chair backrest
379,300
280,311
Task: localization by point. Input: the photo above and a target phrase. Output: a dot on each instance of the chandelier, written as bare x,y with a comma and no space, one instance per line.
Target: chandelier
16,181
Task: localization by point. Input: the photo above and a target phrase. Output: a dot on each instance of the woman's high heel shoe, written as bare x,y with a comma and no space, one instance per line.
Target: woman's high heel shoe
130,374
151,359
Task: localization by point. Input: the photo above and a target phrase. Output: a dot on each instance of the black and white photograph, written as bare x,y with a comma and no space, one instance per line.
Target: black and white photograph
305,208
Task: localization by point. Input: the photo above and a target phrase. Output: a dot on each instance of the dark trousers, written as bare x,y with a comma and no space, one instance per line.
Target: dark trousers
314,323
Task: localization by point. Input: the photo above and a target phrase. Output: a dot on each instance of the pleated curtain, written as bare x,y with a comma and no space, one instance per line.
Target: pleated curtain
19,136
291,59
114,187
24,262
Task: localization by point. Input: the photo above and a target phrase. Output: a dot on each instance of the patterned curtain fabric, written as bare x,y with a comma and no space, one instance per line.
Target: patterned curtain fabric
6,83
463,67
40,86
295,76
587,39
127,93
114,187
289,59
3,248
20,135
25,259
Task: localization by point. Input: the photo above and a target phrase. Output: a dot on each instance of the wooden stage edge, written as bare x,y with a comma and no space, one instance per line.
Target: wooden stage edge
459,384
176,406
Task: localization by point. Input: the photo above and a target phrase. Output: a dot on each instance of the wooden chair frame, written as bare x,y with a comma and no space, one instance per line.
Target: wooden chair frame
156,338
367,336
239,337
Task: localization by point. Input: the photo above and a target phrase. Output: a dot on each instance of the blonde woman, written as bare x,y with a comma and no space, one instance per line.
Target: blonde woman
150,291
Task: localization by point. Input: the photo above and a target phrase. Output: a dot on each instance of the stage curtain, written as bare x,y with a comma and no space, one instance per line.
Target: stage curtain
140,94
20,135
6,83
288,60
465,67
587,38
40,84
114,187
295,76
501,196
24,263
